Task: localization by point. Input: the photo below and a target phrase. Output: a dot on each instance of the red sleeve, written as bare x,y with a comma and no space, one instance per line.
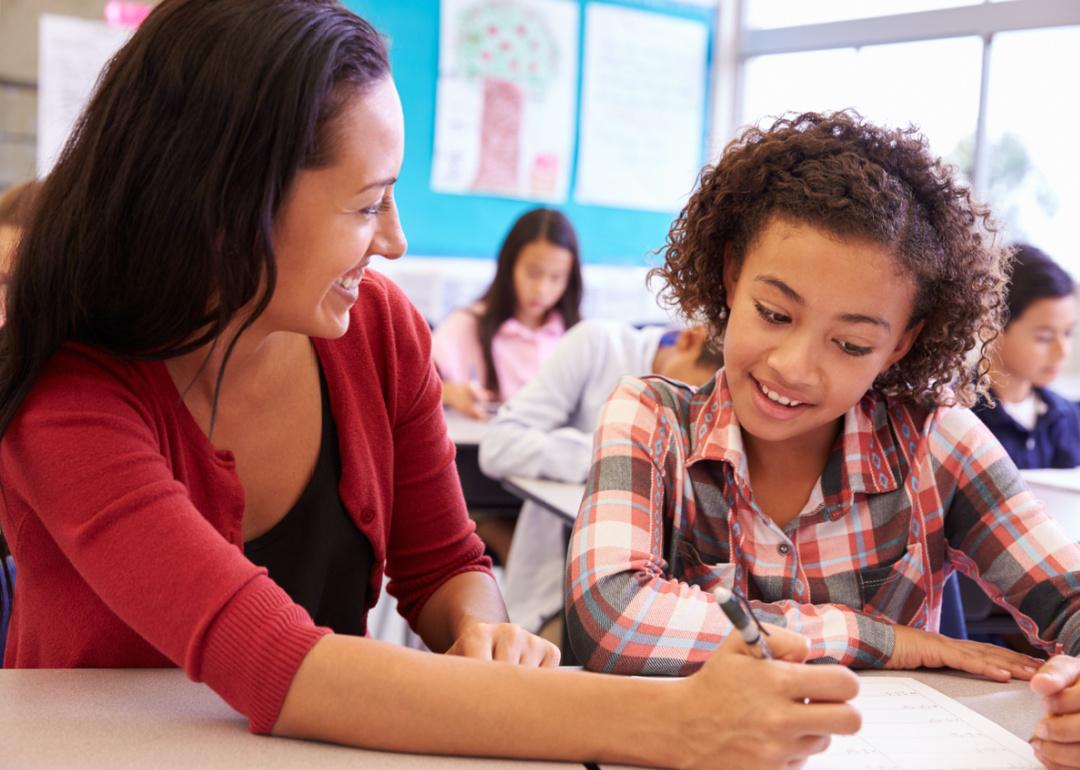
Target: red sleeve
432,538
85,455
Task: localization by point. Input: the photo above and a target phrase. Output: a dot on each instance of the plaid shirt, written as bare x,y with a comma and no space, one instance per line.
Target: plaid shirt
906,498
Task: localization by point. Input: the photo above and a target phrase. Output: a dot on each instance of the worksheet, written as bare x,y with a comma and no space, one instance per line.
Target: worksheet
908,725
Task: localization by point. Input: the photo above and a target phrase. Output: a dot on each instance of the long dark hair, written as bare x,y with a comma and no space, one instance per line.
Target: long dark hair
500,301
154,229
1035,276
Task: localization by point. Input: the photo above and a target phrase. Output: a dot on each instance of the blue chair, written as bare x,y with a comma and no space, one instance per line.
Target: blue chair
7,591
953,622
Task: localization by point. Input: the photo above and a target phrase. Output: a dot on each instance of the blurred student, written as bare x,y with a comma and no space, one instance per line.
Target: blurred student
828,474
192,301
486,352
16,205
1038,427
546,431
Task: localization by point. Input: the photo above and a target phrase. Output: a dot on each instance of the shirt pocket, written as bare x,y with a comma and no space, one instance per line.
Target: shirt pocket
895,591
695,568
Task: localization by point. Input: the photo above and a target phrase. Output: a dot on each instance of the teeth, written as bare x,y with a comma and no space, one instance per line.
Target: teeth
350,282
773,396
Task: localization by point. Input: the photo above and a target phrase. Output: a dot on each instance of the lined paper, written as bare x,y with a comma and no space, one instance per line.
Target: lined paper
908,725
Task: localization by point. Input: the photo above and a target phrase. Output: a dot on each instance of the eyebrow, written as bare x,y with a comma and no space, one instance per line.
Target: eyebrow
380,183
794,296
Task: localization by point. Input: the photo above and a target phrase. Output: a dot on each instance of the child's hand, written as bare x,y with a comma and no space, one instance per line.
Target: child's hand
1057,735
505,642
915,649
467,398
738,711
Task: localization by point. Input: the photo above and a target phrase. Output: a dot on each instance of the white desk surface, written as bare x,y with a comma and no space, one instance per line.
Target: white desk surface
1013,706
560,497
107,719
464,431
1058,478
1059,491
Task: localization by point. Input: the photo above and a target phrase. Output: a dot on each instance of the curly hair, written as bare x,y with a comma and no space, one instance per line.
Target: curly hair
853,179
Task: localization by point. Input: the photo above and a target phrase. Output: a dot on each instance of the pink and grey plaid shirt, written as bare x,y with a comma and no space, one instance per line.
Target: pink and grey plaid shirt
906,498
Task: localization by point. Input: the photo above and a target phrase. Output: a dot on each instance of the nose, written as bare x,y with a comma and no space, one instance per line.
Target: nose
792,361
1061,349
389,240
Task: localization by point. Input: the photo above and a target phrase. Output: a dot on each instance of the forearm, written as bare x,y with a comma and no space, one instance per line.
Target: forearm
510,448
366,693
468,597
683,626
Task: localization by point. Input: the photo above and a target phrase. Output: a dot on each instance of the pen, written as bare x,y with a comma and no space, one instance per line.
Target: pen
746,625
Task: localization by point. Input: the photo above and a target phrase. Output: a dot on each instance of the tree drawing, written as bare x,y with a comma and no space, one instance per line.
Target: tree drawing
512,52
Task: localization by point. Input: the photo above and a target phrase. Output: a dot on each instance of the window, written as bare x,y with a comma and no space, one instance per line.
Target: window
933,84
770,14
1034,162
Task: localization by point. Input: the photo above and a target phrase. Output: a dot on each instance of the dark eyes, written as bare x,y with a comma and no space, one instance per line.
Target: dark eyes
779,319
771,316
373,211
852,350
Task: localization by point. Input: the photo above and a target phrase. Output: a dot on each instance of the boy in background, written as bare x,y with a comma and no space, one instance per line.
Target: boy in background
546,431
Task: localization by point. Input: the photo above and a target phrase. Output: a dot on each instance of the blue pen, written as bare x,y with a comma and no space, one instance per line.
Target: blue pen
747,627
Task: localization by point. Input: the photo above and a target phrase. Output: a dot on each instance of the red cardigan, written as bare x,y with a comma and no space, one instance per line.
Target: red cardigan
125,521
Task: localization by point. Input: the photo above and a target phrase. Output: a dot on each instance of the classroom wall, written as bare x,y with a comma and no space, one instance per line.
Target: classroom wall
443,225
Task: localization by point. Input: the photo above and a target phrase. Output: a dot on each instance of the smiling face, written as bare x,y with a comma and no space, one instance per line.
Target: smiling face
541,274
1034,346
336,218
814,319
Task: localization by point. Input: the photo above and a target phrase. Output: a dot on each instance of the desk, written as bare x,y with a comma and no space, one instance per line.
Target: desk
562,498
464,431
104,719
1059,490
483,495
1013,706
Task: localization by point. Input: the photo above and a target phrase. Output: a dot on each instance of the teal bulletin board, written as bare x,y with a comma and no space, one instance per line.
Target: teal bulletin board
439,224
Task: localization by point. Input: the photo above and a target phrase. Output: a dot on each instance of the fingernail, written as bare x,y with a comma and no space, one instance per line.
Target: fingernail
1041,729
1031,669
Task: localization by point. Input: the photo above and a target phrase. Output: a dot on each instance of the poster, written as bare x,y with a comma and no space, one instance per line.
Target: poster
505,103
642,108
72,54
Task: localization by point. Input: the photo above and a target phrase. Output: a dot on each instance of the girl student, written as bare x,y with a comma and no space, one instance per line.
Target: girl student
1038,427
829,473
486,352
197,359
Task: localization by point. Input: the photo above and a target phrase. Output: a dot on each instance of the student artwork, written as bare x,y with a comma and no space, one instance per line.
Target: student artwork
73,53
642,108
505,103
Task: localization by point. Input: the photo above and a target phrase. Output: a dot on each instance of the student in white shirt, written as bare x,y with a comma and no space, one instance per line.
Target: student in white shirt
546,431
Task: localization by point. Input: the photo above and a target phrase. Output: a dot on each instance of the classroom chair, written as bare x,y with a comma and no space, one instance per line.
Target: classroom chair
7,592
953,621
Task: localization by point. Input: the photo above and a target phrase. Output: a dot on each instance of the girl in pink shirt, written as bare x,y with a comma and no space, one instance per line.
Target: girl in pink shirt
486,352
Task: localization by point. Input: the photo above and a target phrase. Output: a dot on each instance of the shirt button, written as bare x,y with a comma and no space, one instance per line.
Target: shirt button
783,549
367,515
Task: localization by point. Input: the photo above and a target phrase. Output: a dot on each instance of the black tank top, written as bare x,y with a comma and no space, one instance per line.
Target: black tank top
317,553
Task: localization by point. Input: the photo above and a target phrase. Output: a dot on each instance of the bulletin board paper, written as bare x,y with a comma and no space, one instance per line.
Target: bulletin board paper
72,53
504,115
642,108
908,725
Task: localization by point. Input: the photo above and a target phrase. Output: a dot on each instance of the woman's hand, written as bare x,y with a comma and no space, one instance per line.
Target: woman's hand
916,649
765,714
1057,735
470,400
504,642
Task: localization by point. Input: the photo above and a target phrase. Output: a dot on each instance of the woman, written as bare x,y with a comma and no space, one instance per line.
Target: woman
196,361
